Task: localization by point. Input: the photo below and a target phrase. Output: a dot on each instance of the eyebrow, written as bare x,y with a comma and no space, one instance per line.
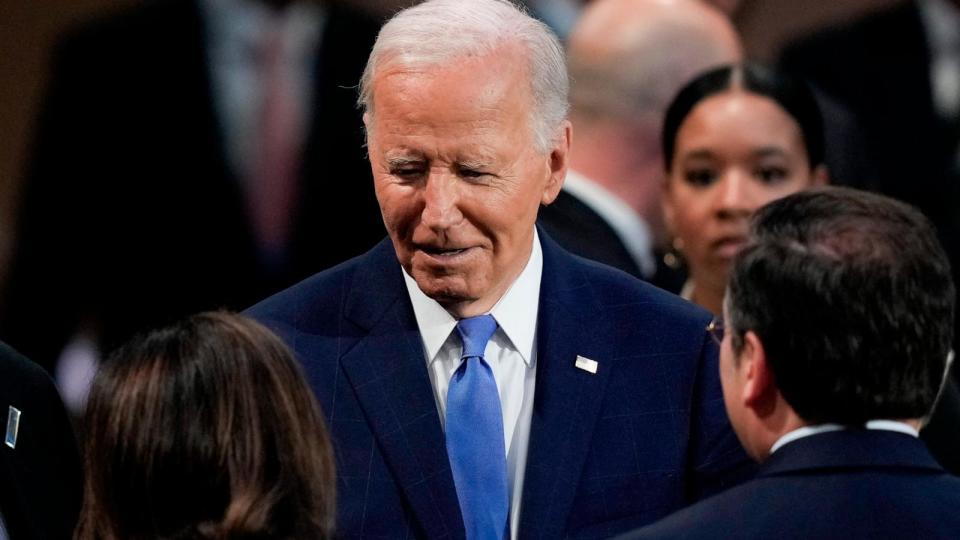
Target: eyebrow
473,164
769,151
401,161
698,154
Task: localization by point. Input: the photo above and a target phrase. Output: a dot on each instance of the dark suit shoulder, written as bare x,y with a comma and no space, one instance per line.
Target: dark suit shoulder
40,469
321,298
806,488
889,505
616,289
21,377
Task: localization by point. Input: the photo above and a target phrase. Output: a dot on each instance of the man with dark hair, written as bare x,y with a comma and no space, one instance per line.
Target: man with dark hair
830,401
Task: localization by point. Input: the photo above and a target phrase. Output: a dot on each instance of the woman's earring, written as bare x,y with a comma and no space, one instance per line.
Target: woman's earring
673,258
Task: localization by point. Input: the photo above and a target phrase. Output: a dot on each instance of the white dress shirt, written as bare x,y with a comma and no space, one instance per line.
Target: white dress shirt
941,22
632,230
236,32
511,354
806,431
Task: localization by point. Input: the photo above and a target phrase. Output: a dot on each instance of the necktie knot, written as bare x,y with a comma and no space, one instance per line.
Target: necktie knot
475,332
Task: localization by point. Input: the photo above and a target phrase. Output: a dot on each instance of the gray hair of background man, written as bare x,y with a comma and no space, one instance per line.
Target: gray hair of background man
628,58
439,32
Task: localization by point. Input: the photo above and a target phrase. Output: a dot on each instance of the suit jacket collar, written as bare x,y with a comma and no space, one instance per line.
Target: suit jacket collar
389,377
850,448
398,400
567,399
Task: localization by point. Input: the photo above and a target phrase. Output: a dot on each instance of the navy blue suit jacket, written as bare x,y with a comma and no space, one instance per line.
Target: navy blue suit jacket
844,485
610,451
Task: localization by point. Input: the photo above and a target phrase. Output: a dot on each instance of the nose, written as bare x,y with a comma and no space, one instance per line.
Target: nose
441,201
734,197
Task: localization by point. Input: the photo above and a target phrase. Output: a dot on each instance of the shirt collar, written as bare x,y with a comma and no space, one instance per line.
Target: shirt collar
806,431
240,25
515,312
630,227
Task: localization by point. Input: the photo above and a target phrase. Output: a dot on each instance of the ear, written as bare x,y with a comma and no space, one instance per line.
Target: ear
821,176
559,158
759,390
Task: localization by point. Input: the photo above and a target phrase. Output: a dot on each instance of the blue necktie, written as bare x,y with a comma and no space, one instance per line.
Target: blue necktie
475,436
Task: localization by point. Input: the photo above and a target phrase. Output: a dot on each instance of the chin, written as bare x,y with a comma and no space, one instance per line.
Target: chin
443,289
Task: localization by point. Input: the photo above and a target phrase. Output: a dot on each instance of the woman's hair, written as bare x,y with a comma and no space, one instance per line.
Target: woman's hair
791,93
206,429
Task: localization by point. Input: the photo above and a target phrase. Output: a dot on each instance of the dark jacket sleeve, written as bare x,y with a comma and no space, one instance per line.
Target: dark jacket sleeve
40,475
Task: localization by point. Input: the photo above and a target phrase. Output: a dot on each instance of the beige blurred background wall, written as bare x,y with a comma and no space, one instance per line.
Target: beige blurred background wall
28,29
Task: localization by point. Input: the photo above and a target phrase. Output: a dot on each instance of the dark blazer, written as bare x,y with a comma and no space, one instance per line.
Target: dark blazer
132,216
40,478
645,435
582,231
878,69
843,485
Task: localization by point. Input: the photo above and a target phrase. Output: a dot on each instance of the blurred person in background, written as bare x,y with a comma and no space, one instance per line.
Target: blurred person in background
830,401
190,154
734,139
627,59
897,70
206,429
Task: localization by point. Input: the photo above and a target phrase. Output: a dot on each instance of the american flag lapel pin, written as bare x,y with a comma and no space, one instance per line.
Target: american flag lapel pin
586,364
13,427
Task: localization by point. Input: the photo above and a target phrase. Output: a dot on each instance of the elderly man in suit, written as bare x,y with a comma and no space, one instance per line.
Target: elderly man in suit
831,401
480,381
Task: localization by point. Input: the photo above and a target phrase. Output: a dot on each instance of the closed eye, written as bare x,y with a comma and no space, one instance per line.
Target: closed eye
470,171
407,169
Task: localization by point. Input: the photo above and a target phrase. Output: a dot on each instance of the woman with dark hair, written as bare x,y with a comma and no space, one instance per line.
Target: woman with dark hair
206,429
734,139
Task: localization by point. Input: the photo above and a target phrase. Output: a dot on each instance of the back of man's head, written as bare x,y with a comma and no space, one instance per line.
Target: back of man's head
851,295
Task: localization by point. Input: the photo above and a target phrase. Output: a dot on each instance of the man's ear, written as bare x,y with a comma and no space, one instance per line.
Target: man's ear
559,159
759,388
821,176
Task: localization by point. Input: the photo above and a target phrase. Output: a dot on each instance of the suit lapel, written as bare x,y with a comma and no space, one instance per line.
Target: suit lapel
567,398
389,376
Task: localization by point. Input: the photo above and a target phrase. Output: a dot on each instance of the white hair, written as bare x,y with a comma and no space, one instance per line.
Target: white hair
439,32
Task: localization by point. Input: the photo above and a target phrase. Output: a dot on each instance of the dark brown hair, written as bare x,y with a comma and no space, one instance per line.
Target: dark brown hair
873,290
206,429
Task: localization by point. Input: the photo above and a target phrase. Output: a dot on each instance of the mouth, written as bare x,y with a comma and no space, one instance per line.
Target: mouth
443,253
727,247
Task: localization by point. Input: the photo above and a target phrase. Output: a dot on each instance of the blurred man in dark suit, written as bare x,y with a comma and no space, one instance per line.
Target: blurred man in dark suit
480,381
40,480
627,59
904,95
831,401
191,154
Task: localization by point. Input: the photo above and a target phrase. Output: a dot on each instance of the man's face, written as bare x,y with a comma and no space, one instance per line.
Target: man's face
457,175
